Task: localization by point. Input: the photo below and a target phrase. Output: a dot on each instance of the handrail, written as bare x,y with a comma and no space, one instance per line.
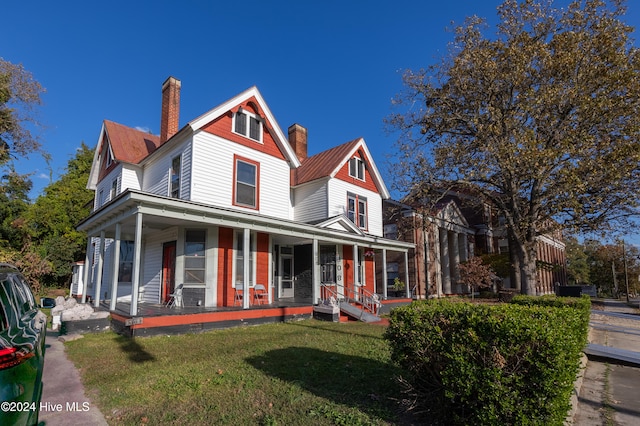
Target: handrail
369,300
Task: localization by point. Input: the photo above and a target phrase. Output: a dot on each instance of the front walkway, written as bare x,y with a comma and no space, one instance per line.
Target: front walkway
64,401
610,392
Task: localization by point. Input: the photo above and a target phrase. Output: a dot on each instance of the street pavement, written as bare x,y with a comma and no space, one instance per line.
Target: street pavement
64,401
610,391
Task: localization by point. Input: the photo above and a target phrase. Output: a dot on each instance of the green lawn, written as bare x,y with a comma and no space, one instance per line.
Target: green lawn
299,373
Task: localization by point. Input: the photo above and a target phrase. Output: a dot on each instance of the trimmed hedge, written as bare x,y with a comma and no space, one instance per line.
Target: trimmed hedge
490,364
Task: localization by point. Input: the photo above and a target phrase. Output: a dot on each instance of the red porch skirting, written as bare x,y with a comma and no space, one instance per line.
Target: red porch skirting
203,321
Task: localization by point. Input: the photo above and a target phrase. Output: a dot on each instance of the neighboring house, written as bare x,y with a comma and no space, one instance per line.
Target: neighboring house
458,227
227,204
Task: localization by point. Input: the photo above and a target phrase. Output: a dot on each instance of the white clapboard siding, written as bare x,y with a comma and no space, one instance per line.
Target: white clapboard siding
337,199
212,176
156,171
310,201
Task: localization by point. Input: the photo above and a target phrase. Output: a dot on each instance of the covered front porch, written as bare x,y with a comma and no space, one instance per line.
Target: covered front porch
219,259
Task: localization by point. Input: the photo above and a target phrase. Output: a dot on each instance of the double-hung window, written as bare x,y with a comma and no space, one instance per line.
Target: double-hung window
328,264
246,182
248,125
125,268
194,256
174,190
357,210
114,189
356,168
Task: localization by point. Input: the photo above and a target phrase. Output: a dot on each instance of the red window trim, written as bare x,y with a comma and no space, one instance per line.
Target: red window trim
237,158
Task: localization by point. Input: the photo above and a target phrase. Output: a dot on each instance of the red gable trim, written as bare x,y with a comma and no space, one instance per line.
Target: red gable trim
222,126
368,182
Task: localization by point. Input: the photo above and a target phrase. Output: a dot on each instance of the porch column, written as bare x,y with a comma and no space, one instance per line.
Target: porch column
135,272
87,268
384,274
96,294
445,264
246,265
356,267
116,268
406,274
315,273
454,252
462,244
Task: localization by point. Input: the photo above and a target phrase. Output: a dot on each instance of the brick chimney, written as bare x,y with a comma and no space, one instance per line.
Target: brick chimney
169,119
298,140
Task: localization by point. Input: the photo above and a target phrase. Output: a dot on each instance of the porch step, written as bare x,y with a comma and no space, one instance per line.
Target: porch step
357,313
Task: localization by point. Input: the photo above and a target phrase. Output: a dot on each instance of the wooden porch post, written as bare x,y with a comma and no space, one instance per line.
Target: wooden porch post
87,268
116,268
384,274
406,273
315,275
246,252
96,294
135,273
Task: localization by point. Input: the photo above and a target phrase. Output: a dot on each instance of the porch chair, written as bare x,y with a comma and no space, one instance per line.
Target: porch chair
175,298
238,294
260,294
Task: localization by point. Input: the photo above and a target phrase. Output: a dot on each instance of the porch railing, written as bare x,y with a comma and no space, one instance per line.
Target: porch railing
369,301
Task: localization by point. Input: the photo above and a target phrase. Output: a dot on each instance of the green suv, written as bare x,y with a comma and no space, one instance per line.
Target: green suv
22,332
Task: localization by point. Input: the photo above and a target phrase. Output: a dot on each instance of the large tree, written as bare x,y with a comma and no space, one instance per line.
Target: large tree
49,223
542,119
19,97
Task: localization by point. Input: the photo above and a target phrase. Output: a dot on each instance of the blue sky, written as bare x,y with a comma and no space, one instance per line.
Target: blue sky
331,66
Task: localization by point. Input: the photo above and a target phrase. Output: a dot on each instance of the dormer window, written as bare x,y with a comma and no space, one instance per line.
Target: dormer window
248,125
356,168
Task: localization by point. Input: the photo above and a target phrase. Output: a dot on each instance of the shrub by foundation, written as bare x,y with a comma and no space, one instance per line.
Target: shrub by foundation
489,364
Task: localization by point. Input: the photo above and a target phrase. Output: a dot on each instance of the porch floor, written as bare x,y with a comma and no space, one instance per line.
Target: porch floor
156,319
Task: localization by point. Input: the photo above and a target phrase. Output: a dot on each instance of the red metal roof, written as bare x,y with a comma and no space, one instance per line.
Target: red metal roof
325,163
130,145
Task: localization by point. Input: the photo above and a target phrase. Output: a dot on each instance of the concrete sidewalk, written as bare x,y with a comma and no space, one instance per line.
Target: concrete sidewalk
64,401
610,391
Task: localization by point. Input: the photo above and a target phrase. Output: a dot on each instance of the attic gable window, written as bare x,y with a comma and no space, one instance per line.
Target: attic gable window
356,168
248,125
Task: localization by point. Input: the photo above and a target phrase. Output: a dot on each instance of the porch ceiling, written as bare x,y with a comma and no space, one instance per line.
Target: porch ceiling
160,213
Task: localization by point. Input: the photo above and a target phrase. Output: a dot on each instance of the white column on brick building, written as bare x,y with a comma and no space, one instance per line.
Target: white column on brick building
454,262
445,261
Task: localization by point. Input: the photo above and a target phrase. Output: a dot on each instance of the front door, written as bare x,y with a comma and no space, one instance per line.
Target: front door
168,269
286,274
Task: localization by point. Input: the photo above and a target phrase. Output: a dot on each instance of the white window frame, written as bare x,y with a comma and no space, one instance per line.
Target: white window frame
355,215
178,176
246,132
114,189
356,168
255,185
195,255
